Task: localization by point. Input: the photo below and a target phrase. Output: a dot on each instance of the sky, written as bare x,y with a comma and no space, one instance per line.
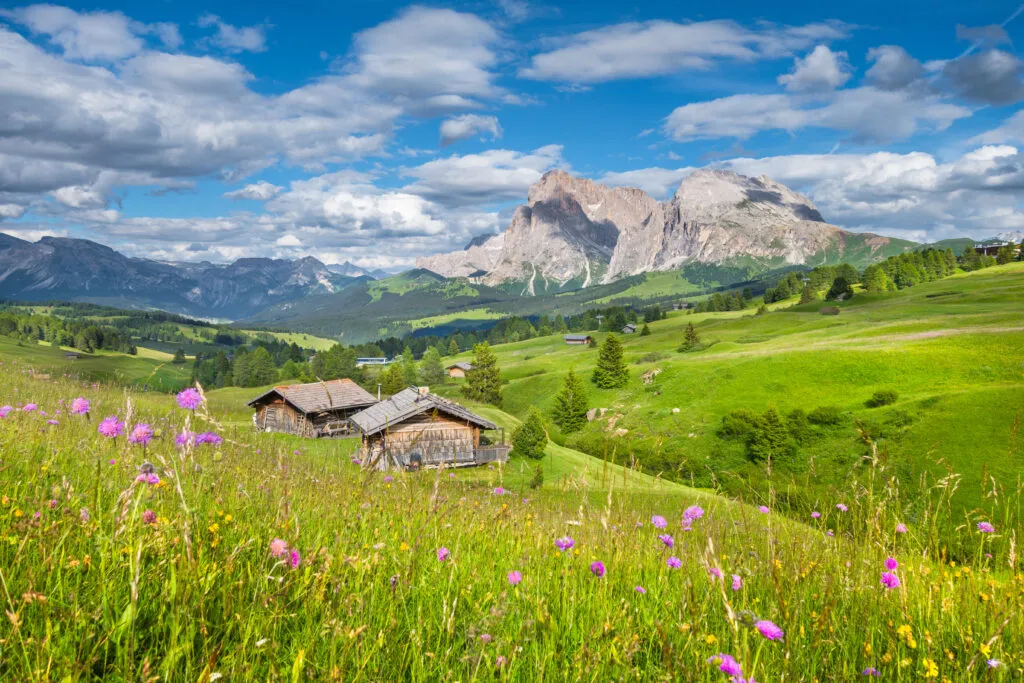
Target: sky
375,132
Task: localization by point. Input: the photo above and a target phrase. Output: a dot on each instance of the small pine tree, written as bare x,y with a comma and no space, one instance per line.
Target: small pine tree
409,372
611,371
807,296
529,439
431,370
691,340
453,348
179,356
570,411
769,438
392,380
645,331
483,382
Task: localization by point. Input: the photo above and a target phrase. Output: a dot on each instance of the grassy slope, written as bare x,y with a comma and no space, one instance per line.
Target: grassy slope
952,349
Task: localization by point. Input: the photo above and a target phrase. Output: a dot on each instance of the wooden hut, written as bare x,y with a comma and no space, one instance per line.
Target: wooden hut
630,328
459,370
311,410
574,339
415,429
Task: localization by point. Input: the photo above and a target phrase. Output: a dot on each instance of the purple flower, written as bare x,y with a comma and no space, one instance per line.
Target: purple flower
148,478
5,411
715,572
53,504
815,514
278,548
674,562
986,528
209,437
111,427
727,664
185,439
141,434
29,407
149,517
499,491
515,577
737,582
641,590
841,507
769,630
189,399
564,543
764,509
388,479
993,663
658,522
294,558
80,406
693,512
500,661
597,569
901,528
891,564
485,637
830,533
52,422
442,554
667,540
870,671
890,580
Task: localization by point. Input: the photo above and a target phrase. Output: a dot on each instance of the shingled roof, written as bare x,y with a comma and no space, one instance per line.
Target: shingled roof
336,394
462,366
409,403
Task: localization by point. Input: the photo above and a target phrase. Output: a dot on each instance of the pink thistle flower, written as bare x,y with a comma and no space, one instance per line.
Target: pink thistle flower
815,514
30,407
890,580
769,630
726,664
891,564
841,507
80,406
278,548
111,427
986,528
693,512
764,510
658,522
141,434
641,590
737,582
189,399
295,558
674,562
515,577
443,554
149,517
564,543
667,540
597,569
901,528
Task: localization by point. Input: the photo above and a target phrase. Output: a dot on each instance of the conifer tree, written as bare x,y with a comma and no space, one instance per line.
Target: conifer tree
611,371
570,411
691,340
530,439
483,382
453,347
431,370
645,331
409,373
392,380
807,296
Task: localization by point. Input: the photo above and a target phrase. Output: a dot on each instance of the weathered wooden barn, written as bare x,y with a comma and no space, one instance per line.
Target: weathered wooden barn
573,339
319,409
416,429
459,370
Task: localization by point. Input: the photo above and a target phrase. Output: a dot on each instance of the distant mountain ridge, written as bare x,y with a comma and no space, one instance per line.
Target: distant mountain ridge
81,270
574,231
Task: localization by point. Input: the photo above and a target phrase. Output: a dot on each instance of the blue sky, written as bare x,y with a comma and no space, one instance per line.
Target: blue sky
380,131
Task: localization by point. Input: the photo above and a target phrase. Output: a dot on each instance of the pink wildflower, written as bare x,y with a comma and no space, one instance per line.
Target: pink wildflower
986,528
597,569
141,434
189,399
641,590
764,509
891,564
715,572
769,630
841,507
564,543
29,407
443,554
80,406
693,512
278,548
515,577
737,582
111,427
295,558
674,562
901,528
658,522
5,411
149,517
890,580
727,664
667,540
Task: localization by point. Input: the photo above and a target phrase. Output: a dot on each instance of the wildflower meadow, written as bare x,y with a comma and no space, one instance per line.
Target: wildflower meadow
144,538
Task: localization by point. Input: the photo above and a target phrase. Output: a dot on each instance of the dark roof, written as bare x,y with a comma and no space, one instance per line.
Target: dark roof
463,366
336,394
409,403
629,326
576,337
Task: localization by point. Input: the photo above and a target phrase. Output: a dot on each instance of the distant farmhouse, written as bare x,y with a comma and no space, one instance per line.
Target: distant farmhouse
575,339
320,409
629,329
459,370
416,429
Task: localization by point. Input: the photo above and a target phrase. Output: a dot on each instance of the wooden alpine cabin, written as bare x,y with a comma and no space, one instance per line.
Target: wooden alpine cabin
574,339
319,409
459,370
417,429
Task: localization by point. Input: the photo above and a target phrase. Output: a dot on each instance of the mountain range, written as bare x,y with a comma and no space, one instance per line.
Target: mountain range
576,232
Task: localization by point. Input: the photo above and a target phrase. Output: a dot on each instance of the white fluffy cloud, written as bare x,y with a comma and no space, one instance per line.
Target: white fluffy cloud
892,67
636,50
469,125
867,113
820,71
235,38
261,191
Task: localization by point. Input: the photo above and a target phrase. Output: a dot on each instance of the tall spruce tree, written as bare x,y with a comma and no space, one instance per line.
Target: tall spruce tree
530,439
691,340
392,379
570,411
431,370
611,371
483,382
453,347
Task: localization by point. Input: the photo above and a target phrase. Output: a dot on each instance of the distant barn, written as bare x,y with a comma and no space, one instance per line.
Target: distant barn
578,339
459,370
415,428
629,329
320,409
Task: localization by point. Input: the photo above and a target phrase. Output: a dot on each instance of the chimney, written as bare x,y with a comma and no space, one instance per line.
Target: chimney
424,390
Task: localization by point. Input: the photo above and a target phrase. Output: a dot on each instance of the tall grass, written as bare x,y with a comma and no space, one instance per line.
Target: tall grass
106,577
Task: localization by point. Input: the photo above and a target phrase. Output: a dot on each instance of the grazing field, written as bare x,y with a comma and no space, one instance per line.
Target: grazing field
951,350
261,557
